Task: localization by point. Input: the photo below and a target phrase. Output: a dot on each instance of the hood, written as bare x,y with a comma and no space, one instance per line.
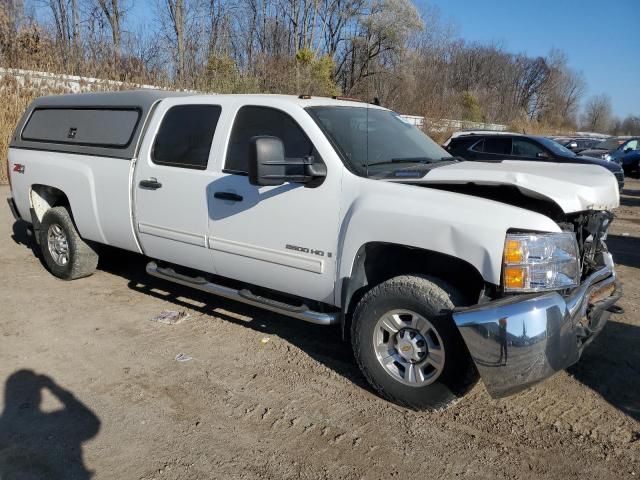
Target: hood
612,166
594,152
573,187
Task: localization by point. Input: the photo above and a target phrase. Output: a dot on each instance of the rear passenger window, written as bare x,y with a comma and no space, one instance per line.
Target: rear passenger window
478,147
185,136
497,145
254,121
524,148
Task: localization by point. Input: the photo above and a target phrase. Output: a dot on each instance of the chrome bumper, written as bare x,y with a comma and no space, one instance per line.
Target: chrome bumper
521,340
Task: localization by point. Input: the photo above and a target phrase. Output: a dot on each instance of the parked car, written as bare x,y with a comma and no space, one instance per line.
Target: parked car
631,163
472,132
331,212
489,147
577,144
614,149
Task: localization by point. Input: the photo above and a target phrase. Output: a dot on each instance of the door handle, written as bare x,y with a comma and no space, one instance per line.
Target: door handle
150,184
234,197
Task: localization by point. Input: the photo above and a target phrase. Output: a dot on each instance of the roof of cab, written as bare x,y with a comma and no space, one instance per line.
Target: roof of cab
144,99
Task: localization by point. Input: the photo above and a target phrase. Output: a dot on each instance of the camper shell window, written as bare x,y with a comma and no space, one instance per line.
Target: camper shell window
96,127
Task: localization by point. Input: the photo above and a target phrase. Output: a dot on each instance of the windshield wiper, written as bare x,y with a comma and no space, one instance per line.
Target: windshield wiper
410,160
420,160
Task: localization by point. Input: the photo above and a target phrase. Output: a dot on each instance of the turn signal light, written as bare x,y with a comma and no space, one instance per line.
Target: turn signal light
514,277
513,251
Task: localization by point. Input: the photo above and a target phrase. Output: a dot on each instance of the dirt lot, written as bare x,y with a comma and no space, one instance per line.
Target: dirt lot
91,385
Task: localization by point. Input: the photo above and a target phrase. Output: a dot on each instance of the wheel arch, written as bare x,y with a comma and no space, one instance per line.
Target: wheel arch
376,262
43,197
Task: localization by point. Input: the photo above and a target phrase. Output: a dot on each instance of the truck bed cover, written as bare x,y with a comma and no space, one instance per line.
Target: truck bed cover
107,124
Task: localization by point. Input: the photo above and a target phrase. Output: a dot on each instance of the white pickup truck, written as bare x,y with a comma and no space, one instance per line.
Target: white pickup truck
334,212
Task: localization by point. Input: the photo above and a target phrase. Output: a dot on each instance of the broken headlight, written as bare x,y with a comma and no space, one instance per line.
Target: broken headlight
540,261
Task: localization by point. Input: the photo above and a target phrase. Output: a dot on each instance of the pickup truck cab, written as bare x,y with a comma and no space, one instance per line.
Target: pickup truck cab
334,212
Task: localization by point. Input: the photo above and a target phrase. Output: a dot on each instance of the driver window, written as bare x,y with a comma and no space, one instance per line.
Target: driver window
632,144
255,121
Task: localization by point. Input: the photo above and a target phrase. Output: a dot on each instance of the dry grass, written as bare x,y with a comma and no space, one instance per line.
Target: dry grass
14,99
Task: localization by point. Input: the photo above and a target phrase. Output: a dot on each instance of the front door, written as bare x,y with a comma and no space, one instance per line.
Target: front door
170,183
282,237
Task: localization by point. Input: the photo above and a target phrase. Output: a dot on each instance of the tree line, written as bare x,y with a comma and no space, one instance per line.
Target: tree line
385,49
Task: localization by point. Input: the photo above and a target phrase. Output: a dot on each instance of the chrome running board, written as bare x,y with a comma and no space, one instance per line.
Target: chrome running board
301,312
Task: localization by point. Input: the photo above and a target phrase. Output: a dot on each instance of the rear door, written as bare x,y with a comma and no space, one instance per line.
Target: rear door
170,182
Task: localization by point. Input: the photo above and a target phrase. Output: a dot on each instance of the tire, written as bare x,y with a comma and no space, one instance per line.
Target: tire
64,252
424,302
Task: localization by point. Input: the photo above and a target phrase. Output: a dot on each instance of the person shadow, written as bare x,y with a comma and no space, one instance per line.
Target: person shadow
43,445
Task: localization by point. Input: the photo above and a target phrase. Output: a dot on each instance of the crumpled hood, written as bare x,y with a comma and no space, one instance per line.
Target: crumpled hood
573,187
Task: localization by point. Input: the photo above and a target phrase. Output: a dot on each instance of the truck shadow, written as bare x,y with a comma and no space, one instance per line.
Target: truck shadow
629,201
625,250
632,193
35,444
610,366
322,343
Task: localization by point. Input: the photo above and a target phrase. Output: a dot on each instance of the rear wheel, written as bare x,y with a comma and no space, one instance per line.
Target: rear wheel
65,253
407,345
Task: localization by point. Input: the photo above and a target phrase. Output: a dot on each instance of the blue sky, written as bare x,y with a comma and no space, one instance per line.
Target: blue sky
601,38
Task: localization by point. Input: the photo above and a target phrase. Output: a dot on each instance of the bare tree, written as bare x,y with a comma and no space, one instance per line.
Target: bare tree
113,13
597,113
176,10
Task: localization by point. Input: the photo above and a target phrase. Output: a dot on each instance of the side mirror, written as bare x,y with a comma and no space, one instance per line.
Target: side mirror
628,149
266,161
542,155
573,145
268,165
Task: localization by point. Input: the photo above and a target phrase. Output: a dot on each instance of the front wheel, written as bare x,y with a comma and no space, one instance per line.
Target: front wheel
407,345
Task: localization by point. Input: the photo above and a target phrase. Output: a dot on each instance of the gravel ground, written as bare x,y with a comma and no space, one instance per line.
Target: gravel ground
91,386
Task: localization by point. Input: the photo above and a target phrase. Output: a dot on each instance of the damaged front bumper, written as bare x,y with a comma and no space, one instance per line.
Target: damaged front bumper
521,340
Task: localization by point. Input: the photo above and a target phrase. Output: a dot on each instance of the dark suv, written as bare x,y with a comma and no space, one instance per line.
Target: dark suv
523,147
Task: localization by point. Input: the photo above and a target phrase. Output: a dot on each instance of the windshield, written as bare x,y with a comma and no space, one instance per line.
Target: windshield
555,147
610,143
374,141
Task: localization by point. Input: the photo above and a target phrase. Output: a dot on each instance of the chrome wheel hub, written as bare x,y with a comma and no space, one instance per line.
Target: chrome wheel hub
58,244
409,348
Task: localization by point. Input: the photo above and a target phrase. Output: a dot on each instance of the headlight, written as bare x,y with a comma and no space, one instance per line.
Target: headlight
607,157
541,261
